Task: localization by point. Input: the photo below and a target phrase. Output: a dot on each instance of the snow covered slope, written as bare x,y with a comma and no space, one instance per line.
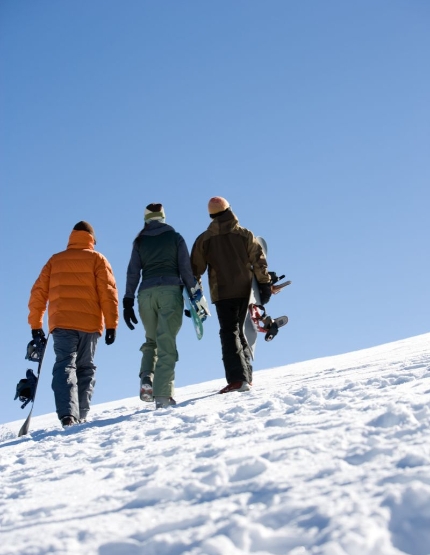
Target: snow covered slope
325,457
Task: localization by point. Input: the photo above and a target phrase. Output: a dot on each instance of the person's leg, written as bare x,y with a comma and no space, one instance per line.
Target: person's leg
149,318
230,317
149,358
169,304
243,310
64,382
85,371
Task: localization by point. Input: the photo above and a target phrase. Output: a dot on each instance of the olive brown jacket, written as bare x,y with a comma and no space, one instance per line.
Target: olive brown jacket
232,255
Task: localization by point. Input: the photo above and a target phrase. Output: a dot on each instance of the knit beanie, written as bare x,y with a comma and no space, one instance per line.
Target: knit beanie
85,226
216,205
154,211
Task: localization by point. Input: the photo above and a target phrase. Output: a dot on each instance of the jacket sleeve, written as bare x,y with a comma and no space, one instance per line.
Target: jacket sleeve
198,262
107,292
258,260
184,264
133,273
39,298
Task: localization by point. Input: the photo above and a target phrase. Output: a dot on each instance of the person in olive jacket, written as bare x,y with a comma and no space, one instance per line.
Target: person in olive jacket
232,256
161,264
79,286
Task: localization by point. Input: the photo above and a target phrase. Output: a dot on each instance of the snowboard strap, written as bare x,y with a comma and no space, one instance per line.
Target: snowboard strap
264,324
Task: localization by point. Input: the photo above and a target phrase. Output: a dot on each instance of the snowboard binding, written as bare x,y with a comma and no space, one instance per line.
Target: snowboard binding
26,388
275,278
201,307
265,323
199,303
35,350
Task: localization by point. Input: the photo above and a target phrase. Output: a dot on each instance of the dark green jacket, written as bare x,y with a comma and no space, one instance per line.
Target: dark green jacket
159,257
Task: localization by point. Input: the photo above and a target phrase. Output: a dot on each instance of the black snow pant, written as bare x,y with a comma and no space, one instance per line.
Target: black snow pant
236,355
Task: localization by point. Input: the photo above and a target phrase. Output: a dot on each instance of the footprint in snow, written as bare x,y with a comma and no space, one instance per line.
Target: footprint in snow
249,470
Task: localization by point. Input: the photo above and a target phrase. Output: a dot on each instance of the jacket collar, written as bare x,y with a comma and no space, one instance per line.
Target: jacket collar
80,240
224,223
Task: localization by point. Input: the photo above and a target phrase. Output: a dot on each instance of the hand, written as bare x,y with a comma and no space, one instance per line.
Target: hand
129,315
39,337
265,292
275,278
110,336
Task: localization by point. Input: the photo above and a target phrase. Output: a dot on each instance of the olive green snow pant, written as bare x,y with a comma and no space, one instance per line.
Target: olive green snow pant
161,309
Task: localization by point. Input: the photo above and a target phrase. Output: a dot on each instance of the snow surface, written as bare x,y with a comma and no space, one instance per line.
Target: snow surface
325,457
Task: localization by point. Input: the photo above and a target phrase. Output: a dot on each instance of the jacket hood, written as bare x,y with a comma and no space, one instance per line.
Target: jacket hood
155,227
224,223
80,240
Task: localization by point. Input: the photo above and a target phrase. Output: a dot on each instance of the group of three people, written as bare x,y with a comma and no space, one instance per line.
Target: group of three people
79,287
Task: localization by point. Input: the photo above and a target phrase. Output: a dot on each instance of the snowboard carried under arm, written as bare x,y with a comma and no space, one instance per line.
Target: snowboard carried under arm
257,321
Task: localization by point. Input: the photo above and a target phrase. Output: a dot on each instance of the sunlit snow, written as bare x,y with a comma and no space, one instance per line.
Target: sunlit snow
325,457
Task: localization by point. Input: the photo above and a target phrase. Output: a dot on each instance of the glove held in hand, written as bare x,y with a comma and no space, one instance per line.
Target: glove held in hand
129,315
110,336
39,336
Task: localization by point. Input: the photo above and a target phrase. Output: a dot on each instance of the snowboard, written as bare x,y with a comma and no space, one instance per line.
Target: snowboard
257,321
278,288
35,353
265,323
197,310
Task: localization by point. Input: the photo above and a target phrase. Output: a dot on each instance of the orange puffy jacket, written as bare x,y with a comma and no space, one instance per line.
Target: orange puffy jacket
80,287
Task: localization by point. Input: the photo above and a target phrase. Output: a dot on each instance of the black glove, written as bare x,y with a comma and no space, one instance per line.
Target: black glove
275,278
265,292
39,337
129,315
110,336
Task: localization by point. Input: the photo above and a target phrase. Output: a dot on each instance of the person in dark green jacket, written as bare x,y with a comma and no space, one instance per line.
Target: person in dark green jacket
232,256
160,262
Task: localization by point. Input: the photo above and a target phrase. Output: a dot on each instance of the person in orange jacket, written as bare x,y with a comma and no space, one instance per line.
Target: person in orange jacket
79,286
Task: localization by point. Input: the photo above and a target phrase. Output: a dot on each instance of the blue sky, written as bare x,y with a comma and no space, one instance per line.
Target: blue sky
311,118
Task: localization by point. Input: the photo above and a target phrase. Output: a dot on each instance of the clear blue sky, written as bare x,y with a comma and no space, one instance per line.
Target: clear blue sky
311,118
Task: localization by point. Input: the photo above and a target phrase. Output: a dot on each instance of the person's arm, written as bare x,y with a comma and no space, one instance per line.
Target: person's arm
134,270
184,264
39,298
259,265
198,261
107,292
258,260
